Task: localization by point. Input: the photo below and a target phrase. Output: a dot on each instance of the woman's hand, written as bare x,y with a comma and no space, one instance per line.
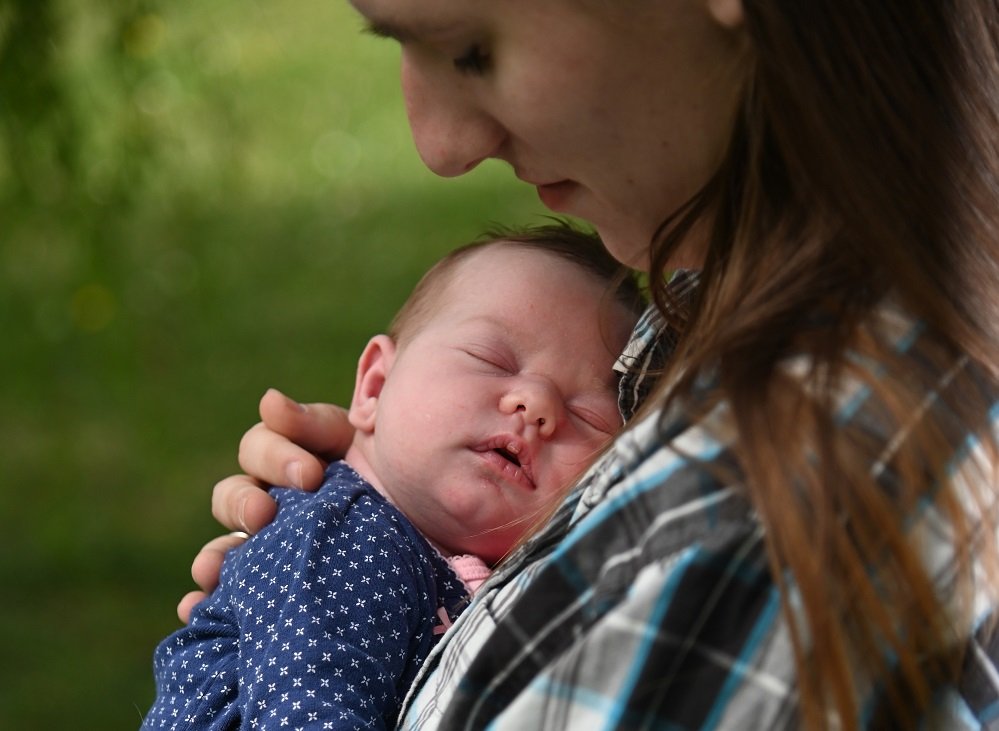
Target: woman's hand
290,446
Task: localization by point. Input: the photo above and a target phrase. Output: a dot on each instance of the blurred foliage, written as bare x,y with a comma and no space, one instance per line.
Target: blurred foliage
198,200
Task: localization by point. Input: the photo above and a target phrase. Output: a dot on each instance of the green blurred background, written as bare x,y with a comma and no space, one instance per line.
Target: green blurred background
198,200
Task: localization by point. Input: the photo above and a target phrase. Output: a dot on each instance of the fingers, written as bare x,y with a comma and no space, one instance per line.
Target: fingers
274,460
281,450
239,502
206,569
289,446
323,429
208,563
187,604
235,498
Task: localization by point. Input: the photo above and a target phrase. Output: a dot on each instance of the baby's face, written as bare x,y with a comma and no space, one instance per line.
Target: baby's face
502,398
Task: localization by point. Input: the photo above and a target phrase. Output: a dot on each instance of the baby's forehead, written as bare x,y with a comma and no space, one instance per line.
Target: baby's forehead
565,282
554,278
502,264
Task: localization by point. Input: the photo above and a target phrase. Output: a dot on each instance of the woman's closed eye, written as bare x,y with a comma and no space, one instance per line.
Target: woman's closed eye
474,61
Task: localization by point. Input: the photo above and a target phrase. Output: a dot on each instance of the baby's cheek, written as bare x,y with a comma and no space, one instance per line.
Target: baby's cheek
574,461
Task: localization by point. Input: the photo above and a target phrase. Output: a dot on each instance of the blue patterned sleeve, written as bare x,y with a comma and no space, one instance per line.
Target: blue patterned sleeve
319,621
329,605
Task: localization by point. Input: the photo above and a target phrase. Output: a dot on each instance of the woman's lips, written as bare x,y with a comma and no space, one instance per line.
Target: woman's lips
556,196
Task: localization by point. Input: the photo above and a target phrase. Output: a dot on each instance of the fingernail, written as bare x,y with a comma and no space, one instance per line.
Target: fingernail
292,402
294,474
289,401
242,513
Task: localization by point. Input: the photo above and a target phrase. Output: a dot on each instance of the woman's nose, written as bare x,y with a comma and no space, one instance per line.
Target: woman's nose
539,405
452,134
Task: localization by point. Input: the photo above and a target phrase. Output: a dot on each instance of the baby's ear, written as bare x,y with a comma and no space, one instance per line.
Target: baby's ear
372,369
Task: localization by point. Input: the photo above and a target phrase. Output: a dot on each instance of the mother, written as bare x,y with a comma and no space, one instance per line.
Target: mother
799,526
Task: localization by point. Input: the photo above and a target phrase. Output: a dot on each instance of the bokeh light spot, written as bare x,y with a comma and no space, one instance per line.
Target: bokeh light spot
143,36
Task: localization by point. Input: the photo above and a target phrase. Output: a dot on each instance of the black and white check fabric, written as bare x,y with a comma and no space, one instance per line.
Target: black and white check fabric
647,603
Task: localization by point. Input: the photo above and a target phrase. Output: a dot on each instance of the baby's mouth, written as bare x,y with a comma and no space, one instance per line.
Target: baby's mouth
508,455
512,457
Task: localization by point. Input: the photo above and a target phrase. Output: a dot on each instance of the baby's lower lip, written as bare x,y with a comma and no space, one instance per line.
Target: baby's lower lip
507,469
556,196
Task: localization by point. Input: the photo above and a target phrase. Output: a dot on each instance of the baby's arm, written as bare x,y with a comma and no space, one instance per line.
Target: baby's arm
327,618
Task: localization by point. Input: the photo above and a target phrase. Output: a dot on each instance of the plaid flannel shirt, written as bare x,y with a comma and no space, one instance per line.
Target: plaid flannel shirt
647,602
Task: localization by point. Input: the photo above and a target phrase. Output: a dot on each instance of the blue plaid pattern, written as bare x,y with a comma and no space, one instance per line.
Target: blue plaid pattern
647,602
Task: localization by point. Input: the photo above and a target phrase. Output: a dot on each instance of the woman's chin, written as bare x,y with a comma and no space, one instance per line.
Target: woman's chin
629,248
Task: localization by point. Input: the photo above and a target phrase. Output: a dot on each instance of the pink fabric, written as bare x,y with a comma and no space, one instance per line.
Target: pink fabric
472,570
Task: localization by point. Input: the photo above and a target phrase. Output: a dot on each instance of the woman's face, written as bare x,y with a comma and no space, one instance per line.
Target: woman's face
616,110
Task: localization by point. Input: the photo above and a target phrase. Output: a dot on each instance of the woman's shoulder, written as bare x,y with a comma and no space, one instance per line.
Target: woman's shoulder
682,464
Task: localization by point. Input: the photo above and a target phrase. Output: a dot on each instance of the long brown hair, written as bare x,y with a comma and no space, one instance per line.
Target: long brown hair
863,169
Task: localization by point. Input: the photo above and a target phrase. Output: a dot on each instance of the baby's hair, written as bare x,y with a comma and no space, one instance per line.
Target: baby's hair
560,239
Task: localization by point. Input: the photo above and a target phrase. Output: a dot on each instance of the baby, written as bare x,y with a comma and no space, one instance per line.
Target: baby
492,391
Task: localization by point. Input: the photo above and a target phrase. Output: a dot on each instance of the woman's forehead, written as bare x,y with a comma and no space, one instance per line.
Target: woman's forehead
406,20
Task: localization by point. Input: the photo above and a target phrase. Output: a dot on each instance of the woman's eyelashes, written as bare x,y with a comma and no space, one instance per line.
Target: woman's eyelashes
473,61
